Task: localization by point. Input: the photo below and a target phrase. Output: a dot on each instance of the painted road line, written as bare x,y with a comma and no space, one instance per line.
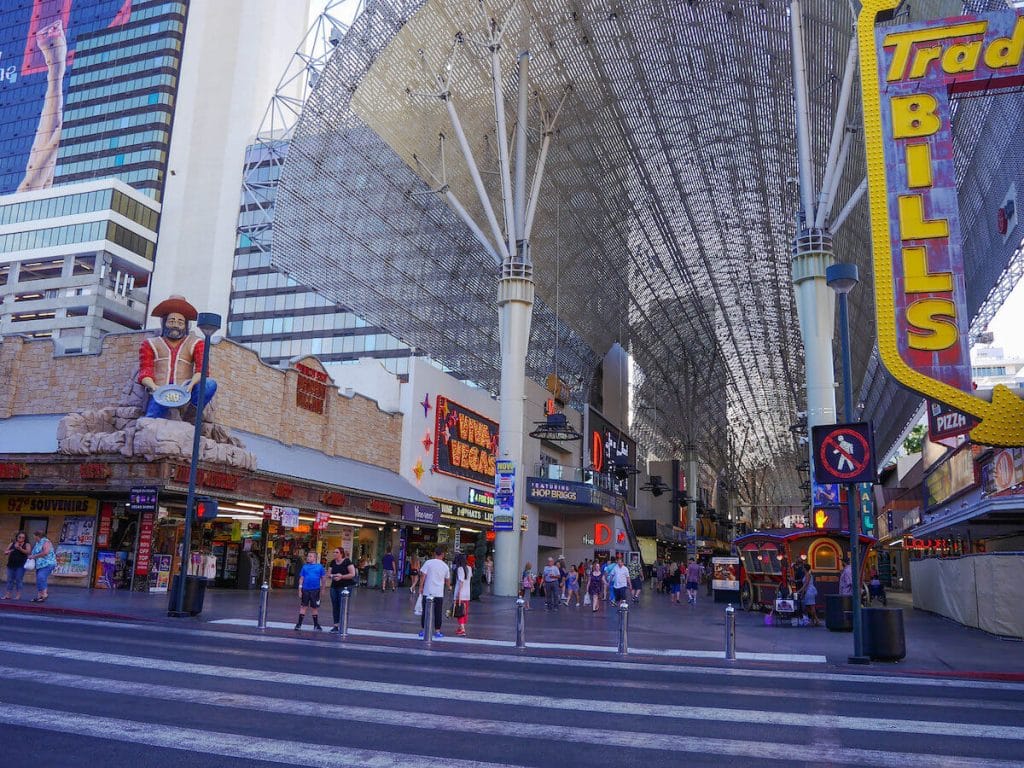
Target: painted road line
951,684
722,714
559,678
504,727
220,743
797,658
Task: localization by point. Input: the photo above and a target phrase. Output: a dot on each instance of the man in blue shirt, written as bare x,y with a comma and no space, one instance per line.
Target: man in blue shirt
311,578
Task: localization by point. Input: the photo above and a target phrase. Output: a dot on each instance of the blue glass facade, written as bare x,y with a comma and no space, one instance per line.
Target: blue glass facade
87,90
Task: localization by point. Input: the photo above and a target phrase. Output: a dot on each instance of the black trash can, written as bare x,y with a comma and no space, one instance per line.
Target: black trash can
884,639
839,613
195,594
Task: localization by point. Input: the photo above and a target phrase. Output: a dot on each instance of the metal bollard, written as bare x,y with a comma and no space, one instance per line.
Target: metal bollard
261,617
520,623
428,620
343,627
730,633
623,627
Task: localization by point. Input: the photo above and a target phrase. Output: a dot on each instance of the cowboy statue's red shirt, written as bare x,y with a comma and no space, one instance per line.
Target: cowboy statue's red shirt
147,359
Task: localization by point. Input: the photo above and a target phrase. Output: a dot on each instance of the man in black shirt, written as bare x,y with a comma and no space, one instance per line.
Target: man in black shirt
343,576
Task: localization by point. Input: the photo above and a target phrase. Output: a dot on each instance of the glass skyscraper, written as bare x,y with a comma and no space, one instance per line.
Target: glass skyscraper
275,315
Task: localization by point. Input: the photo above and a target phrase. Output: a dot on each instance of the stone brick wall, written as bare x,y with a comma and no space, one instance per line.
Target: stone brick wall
251,396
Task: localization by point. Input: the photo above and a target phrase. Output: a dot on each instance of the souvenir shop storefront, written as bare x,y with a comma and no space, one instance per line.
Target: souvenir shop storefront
126,533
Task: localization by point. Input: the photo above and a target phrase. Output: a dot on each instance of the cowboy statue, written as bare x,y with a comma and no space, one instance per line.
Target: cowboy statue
170,364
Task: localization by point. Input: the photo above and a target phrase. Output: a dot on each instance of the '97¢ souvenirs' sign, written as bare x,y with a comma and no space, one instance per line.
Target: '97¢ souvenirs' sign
908,75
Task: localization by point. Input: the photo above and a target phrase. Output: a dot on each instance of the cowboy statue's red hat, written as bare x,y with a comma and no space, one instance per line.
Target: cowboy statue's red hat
175,304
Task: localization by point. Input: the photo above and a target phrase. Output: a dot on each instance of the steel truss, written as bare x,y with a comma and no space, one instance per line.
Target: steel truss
673,166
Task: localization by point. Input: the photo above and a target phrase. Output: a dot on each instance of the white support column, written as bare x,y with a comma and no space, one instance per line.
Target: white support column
501,132
812,254
515,310
803,129
815,304
855,198
474,173
834,163
521,120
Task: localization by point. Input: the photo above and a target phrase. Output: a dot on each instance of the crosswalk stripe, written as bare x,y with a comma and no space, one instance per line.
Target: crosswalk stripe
509,728
922,681
221,743
796,658
763,717
567,678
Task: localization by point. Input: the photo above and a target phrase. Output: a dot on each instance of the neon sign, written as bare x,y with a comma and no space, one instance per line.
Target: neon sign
920,291
465,442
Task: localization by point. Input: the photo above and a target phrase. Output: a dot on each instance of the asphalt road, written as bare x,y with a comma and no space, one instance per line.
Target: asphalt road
90,692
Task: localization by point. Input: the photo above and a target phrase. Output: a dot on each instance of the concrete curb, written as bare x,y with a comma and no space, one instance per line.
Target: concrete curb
56,610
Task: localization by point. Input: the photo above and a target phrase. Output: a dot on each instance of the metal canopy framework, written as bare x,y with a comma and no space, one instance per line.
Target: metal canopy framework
668,210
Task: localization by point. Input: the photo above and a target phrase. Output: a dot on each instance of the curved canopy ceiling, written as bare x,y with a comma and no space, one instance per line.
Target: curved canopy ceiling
665,218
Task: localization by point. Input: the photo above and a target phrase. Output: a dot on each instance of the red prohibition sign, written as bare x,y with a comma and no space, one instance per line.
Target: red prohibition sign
841,453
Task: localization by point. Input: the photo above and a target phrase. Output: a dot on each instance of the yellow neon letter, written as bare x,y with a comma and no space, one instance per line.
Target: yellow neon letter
904,43
930,330
913,225
916,276
962,57
914,115
919,165
1006,51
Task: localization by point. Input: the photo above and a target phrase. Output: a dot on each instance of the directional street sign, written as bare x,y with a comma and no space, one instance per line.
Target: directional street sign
844,453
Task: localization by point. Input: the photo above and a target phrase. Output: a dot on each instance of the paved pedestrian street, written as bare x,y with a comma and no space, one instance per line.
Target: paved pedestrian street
117,693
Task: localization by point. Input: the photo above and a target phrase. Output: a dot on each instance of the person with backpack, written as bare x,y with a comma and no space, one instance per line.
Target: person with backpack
461,596
526,584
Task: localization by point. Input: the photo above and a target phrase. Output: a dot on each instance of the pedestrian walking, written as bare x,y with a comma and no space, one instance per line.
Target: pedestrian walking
572,587
461,596
435,577
846,578
489,573
17,553
44,560
595,586
809,598
552,585
694,571
526,584
675,581
636,577
342,573
607,571
563,574
414,572
660,572
311,579
387,570
620,580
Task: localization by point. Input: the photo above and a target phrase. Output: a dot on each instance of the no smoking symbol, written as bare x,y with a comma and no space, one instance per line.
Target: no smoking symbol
845,457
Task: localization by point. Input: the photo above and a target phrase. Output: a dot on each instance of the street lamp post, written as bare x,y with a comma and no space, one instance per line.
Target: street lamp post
842,278
209,323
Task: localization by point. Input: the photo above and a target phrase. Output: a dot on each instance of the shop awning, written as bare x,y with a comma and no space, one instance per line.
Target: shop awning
308,464
991,516
30,434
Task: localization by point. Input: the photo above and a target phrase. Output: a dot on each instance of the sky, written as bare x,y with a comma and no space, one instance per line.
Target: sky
1009,322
